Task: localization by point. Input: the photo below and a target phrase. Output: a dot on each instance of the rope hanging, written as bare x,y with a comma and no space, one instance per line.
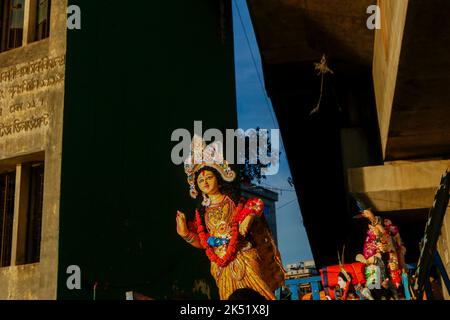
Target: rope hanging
322,69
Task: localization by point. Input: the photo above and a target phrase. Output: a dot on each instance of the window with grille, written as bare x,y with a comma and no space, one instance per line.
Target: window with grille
7,197
34,213
21,208
11,23
42,19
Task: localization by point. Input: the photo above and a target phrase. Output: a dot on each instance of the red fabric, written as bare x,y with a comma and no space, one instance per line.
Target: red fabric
356,270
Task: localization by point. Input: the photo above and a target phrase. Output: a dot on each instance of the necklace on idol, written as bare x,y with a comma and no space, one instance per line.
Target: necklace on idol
230,254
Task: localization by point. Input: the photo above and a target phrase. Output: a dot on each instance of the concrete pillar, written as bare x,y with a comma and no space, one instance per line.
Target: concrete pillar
27,26
387,49
20,216
400,185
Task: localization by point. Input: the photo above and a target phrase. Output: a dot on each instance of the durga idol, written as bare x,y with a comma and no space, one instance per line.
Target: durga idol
232,230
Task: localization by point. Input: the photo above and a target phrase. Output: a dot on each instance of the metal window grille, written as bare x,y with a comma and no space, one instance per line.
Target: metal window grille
34,214
7,195
43,19
12,22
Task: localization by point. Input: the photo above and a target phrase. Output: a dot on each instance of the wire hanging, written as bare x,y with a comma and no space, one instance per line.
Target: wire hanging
322,69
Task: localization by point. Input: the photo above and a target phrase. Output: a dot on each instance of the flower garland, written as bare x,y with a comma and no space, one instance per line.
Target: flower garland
230,255
252,207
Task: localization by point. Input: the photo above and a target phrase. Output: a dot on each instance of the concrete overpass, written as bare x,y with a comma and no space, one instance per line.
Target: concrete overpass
382,131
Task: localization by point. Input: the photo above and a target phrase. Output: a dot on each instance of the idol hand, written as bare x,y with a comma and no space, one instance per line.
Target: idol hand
368,214
182,228
244,227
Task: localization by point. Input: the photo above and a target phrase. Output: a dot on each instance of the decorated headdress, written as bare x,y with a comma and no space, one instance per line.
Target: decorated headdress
206,156
361,206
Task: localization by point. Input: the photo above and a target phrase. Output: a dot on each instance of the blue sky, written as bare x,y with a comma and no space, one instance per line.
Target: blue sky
255,110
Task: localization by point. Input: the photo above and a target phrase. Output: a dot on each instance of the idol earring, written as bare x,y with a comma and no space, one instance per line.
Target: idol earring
206,200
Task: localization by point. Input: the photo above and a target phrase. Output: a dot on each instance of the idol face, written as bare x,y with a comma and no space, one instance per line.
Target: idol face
207,182
341,283
367,214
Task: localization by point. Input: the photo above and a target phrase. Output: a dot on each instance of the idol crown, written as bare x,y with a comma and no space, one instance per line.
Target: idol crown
203,155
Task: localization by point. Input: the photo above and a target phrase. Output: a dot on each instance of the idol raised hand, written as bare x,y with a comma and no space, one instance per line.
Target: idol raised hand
182,228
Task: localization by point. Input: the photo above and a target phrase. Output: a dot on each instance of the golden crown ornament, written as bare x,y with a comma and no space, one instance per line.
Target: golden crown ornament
202,156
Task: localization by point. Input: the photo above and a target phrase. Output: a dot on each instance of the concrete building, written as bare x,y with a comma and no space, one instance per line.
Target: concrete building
86,116
382,128
32,73
302,269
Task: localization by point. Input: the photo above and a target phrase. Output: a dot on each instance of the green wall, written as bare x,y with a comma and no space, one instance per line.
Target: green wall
135,72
